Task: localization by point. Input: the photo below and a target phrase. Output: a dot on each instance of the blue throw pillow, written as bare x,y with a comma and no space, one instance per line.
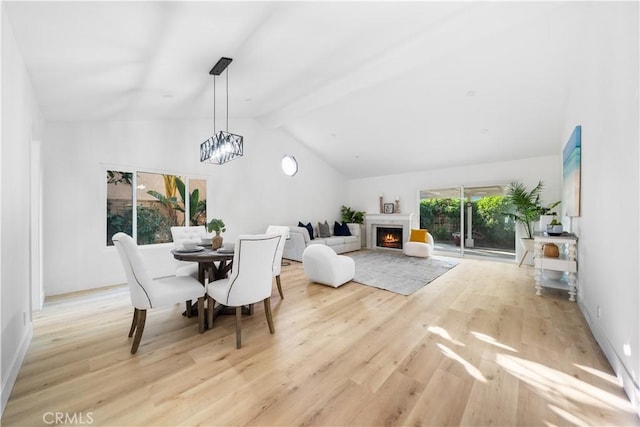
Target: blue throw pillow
309,228
341,229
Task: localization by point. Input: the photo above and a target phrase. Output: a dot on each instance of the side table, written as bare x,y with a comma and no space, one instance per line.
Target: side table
566,262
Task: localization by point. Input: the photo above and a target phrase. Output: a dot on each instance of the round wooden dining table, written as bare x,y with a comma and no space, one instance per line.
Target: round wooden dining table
207,259
207,268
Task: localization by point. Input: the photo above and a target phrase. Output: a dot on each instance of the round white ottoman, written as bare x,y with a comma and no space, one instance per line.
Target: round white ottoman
322,265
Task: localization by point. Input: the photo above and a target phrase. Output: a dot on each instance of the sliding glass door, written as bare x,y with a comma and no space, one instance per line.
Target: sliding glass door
469,221
440,213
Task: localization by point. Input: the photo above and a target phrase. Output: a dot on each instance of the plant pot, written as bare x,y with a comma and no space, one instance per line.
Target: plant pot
216,241
527,243
554,230
544,222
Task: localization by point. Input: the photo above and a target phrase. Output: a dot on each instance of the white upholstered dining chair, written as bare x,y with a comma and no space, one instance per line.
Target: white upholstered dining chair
147,293
181,235
277,261
250,279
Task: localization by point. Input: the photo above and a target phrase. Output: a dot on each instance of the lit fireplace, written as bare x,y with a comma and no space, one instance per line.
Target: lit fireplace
388,237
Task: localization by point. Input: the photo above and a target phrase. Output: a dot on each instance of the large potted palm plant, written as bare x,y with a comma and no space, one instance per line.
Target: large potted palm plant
525,210
525,205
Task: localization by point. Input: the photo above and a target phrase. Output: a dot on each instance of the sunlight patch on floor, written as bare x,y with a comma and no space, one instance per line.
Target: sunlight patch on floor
571,418
471,370
491,340
437,330
603,375
560,386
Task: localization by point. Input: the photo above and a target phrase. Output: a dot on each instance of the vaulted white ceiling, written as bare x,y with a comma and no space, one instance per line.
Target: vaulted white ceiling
374,88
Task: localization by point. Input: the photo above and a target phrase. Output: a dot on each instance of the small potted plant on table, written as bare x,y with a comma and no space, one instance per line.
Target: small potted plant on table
554,228
218,226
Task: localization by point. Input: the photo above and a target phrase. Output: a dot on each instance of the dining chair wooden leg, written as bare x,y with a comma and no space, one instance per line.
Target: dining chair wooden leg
238,317
188,308
279,286
250,309
211,303
142,317
134,322
267,312
201,327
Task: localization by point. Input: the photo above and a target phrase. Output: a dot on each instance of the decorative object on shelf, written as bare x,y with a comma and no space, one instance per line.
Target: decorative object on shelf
381,204
397,206
548,214
554,228
550,250
218,226
223,146
571,173
388,208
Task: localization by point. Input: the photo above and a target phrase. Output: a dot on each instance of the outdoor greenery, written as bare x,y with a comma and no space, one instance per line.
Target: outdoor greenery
197,207
490,227
171,204
154,219
153,226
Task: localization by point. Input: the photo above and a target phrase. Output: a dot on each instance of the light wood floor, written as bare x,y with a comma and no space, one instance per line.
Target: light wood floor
475,347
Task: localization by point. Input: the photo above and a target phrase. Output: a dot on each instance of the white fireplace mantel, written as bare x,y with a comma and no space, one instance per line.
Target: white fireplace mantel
373,221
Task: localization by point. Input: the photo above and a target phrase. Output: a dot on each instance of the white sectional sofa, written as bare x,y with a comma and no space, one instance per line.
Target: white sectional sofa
299,239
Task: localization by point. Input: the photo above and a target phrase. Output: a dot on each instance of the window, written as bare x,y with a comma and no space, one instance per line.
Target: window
161,200
289,165
119,203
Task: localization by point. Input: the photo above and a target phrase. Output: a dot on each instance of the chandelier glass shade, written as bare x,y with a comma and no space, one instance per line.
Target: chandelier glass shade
223,146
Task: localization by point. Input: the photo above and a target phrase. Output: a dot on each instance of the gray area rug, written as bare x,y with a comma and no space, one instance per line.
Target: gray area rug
396,272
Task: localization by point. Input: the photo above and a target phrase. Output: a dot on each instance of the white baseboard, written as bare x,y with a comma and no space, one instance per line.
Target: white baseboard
630,387
9,379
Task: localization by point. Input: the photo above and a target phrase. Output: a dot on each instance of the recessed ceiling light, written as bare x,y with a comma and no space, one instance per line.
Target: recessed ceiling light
471,93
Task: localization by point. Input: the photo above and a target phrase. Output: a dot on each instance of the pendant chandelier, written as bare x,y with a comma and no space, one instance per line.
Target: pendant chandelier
223,146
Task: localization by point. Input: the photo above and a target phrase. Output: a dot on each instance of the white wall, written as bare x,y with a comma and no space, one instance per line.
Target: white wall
363,193
248,193
604,100
20,121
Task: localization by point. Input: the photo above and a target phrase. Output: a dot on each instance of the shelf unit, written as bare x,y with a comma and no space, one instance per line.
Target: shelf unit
566,263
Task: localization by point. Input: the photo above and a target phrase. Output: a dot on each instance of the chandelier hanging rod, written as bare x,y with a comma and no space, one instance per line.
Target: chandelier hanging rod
223,146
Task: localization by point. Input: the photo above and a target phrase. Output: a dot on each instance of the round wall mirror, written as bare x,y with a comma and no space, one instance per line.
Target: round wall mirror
289,165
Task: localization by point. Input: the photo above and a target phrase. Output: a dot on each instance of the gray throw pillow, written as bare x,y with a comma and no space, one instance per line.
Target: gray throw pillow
324,230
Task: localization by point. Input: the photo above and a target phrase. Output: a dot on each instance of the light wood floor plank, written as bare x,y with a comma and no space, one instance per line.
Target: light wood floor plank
474,347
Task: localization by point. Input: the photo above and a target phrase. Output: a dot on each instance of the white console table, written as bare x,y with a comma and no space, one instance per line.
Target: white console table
566,262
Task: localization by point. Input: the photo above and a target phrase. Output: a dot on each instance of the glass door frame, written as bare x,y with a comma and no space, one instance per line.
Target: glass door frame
465,195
